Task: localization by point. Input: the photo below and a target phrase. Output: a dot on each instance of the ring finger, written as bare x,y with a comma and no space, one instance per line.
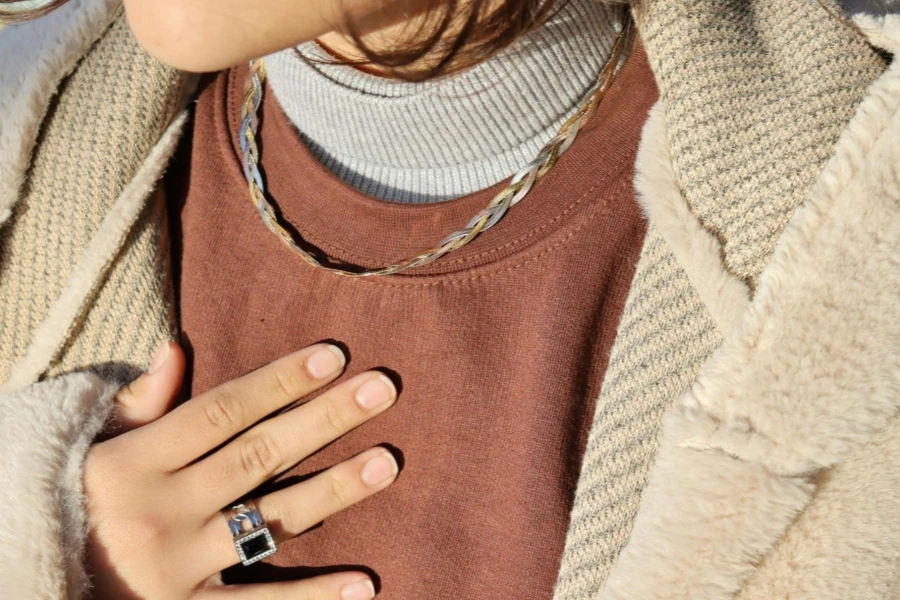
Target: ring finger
293,510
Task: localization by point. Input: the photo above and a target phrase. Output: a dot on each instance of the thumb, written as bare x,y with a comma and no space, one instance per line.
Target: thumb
151,395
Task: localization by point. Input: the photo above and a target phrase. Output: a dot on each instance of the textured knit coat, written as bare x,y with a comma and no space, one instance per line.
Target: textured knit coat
746,443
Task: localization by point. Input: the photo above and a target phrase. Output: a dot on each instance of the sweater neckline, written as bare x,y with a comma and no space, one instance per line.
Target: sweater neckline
443,138
351,227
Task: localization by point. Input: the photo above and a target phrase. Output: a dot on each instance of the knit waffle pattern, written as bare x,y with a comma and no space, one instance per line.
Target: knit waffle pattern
771,116
108,115
756,95
664,336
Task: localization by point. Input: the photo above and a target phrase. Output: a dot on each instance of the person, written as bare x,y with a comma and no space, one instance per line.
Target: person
554,300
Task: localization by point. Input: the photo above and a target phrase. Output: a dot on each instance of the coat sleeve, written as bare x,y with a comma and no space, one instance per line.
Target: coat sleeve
46,429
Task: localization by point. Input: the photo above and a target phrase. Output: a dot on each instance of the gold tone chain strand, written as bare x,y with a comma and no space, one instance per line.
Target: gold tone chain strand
519,186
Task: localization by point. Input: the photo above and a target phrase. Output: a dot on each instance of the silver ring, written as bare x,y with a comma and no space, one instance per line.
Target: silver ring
255,543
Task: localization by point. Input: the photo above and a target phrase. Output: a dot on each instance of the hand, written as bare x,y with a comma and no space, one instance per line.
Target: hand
154,491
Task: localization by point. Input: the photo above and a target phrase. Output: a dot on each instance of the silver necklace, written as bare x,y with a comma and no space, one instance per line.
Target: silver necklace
519,186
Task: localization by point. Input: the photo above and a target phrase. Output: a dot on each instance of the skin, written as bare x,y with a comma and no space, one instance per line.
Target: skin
154,491
209,35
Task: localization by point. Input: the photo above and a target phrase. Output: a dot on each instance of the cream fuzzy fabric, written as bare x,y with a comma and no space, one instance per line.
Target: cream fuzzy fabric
755,95
698,250
45,431
797,408
766,334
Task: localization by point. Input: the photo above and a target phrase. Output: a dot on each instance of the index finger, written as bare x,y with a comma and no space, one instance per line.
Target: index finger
205,422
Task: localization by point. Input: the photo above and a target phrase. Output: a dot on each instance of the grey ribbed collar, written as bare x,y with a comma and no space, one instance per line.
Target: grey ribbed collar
420,142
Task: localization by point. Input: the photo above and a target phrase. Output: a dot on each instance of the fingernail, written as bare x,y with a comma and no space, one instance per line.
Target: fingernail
162,353
376,392
358,590
379,469
325,362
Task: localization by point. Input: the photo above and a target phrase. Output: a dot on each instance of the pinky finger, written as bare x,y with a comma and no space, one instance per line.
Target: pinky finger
335,586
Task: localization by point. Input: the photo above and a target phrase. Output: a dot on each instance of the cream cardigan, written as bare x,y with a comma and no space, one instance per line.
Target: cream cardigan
746,442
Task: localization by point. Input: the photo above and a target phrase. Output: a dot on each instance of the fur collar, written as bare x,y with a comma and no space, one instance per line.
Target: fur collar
809,372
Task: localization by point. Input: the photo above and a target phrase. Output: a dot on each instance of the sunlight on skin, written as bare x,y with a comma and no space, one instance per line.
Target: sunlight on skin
208,35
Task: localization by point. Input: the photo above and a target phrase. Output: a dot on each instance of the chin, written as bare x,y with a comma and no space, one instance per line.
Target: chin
191,37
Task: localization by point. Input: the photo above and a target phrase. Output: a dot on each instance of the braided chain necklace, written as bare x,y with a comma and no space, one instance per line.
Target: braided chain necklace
519,186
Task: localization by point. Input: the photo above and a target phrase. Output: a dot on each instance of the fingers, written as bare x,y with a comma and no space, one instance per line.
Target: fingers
201,424
275,445
334,586
151,395
295,509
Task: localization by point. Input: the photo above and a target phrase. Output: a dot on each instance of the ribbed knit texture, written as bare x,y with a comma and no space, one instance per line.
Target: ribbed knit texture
756,95
77,174
433,140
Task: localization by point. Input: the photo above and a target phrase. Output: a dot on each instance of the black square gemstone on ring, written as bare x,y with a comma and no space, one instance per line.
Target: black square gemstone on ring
255,546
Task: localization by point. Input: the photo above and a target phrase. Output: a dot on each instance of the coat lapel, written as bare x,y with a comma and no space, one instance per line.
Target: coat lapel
809,374
754,96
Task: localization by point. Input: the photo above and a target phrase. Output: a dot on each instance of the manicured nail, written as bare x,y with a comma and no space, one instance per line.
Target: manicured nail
162,353
375,392
358,590
379,469
325,362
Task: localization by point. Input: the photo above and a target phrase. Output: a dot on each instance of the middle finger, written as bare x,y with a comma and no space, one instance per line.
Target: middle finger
274,446
217,415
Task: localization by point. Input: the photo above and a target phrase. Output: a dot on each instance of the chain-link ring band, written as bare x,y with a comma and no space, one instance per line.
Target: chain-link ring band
254,543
